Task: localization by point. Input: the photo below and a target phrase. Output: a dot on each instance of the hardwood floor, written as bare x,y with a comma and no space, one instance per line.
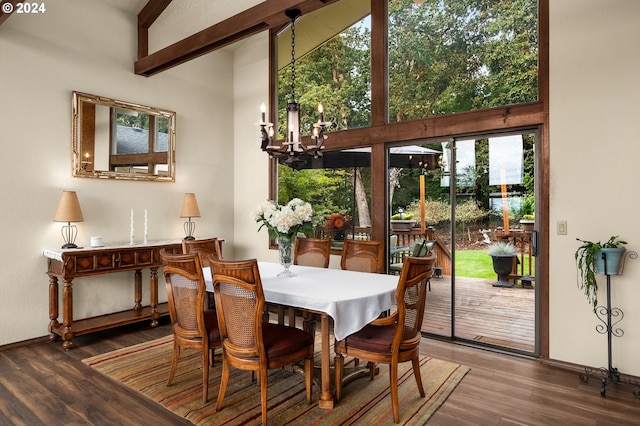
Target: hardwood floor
41,384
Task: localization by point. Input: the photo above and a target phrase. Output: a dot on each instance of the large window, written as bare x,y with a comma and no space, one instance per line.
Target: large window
443,57
336,74
448,56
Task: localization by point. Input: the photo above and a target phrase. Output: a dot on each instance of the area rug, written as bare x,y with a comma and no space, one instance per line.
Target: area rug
145,368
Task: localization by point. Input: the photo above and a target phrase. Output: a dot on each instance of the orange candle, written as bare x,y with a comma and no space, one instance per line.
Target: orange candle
422,206
505,203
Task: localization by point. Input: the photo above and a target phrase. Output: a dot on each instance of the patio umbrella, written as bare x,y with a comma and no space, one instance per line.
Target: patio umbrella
409,156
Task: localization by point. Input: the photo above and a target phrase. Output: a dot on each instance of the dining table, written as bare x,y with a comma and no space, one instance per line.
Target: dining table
348,299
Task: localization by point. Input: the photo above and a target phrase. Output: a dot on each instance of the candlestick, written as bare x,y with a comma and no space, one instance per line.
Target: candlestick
263,108
145,226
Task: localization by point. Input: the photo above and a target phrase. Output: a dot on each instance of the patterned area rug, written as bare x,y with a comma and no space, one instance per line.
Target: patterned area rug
145,368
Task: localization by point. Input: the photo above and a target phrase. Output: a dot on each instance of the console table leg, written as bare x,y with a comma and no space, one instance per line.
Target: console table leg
67,314
137,306
153,295
53,307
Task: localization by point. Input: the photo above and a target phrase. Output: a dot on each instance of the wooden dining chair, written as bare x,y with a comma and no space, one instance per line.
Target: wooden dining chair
248,343
395,338
204,247
362,256
193,326
312,252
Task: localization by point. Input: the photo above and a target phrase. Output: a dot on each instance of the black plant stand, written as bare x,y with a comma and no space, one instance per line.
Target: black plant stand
605,315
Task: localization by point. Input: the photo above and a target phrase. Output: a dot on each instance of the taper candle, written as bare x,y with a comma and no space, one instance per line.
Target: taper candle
131,229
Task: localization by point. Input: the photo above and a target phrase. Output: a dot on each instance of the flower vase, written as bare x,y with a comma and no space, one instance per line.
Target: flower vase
285,248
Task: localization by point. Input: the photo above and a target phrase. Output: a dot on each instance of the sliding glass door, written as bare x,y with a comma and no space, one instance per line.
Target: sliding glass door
465,196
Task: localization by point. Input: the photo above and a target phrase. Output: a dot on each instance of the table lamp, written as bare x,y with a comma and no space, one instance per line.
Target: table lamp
189,209
69,211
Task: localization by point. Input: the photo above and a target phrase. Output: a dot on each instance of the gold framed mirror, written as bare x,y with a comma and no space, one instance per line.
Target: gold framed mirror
113,139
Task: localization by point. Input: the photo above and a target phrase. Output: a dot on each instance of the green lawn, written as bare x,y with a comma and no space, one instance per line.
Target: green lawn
478,264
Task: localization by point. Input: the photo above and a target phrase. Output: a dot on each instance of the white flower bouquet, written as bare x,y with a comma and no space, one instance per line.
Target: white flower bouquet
285,221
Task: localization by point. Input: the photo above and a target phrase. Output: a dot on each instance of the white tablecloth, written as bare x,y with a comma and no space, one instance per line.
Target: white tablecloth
352,299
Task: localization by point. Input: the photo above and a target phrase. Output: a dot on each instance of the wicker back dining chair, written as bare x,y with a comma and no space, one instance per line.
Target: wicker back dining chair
362,256
312,252
209,247
249,343
193,326
395,338
205,249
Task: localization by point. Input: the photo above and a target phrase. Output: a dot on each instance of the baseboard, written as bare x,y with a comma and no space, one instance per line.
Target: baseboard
22,343
580,369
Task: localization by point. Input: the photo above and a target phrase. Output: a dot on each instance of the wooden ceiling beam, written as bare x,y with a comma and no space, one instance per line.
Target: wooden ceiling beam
151,11
146,17
264,16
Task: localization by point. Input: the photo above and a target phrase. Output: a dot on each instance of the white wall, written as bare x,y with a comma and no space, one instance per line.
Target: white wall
594,112
90,46
251,166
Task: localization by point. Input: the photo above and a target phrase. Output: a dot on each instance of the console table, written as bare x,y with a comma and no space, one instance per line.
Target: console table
68,264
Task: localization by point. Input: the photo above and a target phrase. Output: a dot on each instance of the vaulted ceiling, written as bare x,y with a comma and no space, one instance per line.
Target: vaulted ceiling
204,25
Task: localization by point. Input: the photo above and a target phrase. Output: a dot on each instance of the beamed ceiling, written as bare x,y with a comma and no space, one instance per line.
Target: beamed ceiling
254,18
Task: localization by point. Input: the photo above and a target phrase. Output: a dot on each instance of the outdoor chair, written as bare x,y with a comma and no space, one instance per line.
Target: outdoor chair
248,343
193,326
420,248
393,339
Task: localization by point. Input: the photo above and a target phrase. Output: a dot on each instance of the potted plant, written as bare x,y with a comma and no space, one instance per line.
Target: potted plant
402,221
502,255
527,222
590,260
336,224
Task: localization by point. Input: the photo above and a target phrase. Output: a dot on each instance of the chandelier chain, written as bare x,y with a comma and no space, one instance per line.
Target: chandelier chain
293,59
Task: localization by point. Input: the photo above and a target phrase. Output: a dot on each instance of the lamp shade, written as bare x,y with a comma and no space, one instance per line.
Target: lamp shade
190,206
68,208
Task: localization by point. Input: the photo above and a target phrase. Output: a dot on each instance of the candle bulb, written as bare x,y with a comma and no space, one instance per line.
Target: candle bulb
321,111
263,108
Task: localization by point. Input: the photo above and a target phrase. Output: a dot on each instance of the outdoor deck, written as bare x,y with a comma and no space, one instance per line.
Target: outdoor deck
495,315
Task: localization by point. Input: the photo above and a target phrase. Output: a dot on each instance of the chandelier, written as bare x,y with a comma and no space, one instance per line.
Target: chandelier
292,146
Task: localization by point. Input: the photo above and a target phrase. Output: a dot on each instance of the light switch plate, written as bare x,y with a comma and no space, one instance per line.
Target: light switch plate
562,227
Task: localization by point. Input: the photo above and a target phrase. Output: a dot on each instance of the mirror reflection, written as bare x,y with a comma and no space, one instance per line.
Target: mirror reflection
121,140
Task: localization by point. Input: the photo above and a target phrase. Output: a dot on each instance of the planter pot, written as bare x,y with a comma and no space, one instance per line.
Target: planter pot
615,260
402,225
502,265
527,225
